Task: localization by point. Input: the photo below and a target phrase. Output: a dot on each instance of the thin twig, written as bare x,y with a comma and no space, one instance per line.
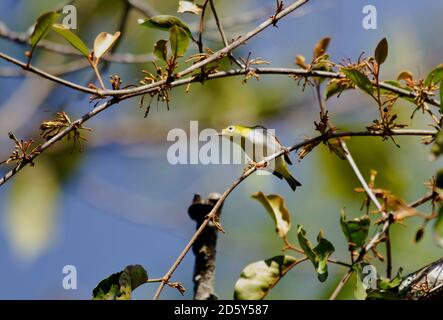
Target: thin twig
223,35
99,77
201,27
341,284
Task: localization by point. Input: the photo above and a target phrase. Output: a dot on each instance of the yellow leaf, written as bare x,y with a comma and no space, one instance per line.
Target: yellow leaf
275,205
103,42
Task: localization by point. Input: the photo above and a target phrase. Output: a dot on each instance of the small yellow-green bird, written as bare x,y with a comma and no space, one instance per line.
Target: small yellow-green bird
262,144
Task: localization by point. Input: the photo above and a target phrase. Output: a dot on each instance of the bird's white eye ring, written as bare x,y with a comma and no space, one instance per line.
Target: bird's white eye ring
231,128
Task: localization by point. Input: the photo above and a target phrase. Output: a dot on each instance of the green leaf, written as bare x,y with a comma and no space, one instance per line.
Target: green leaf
72,38
161,49
438,228
119,286
435,76
179,41
275,206
258,278
359,79
355,230
43,26
165,23
386,289
381,52
336,87
387,284
318,255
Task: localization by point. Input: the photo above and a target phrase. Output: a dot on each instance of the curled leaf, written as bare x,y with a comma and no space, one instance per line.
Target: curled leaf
119,286
258,278
381,51
188,7
165,23
405,75
319,254
355,230
72,38
275,206
103,42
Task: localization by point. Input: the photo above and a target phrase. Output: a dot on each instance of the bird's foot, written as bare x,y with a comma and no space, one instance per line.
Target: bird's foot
261,165
215,221
286,150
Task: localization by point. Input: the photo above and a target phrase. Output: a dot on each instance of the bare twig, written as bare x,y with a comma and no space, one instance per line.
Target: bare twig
341,284
223,35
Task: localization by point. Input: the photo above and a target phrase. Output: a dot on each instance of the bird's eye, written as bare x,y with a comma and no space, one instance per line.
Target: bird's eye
230,128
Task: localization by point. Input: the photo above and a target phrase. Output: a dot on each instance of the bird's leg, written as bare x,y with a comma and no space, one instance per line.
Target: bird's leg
259,165
262,164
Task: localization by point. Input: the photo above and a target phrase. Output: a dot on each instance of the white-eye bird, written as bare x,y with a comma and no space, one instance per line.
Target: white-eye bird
262,144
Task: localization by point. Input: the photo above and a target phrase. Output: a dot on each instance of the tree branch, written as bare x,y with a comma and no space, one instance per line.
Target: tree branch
216,75
204,248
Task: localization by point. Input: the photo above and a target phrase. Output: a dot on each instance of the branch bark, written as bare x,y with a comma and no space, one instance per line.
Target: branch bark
205,247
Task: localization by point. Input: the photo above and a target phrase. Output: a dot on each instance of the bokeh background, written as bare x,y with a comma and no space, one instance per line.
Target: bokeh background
120,202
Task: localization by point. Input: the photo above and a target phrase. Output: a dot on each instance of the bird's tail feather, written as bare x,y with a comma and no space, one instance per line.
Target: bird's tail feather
293,183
